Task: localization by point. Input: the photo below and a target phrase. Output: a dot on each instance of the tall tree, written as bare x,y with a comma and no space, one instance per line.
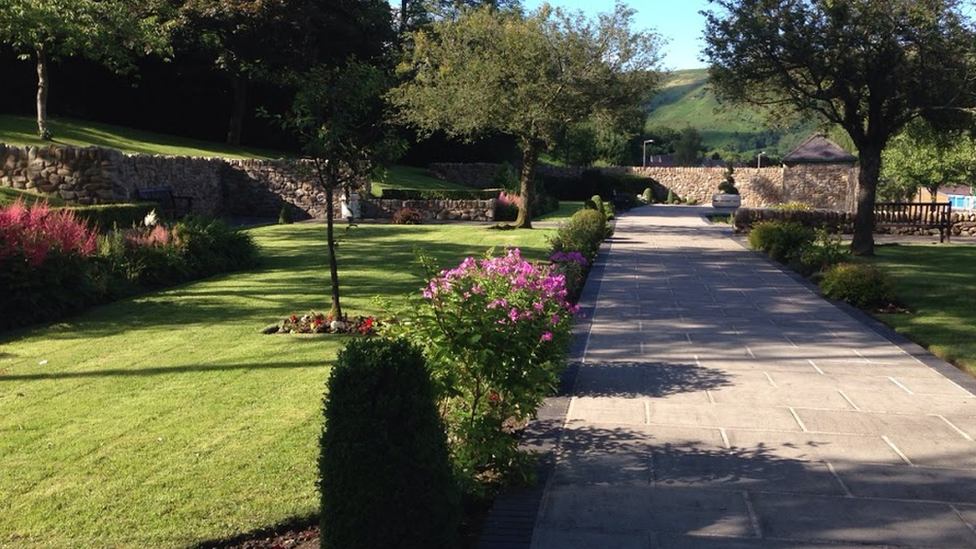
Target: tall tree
111,32
925,157
338,115
868,66
264,40
531,77
688,147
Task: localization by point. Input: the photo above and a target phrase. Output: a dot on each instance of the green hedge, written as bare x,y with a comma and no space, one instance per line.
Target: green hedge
108,216
440,194
746,218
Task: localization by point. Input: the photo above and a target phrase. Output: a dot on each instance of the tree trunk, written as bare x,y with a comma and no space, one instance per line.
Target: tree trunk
42,86
867,187
239,84
530,156
336,310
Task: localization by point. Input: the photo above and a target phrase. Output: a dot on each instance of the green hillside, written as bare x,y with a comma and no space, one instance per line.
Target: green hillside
687,101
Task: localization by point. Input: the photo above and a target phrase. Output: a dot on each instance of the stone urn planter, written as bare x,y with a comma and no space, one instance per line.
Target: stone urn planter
726,201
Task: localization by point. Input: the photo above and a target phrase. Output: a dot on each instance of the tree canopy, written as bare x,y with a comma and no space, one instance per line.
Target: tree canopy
107,31
924,157
530,76
868,66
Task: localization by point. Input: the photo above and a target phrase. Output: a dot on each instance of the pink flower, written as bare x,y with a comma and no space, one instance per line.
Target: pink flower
555,319
547,336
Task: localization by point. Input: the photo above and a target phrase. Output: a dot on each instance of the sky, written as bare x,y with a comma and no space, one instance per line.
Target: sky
678,21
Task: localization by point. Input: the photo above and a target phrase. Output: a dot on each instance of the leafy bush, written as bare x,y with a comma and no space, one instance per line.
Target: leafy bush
609,210
860,285
588,204
505,178
495,332
384,467
672,198
574,268
583,233
781,240
825,251
407,216
210,246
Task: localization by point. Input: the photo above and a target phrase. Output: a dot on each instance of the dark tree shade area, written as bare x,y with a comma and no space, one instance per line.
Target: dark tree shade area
216,47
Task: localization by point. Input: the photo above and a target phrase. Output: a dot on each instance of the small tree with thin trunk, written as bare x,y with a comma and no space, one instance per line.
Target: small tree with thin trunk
110,32
338,115
867,66
533,77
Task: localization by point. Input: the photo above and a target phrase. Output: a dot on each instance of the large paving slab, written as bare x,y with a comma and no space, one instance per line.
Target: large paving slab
721,403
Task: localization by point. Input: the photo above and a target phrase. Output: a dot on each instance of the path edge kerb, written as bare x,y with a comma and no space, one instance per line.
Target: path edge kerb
513,516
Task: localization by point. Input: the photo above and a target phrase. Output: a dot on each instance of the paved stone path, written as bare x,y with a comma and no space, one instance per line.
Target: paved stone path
723,404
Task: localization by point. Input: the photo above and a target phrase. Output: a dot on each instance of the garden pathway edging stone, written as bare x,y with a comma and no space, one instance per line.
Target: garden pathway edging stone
719,401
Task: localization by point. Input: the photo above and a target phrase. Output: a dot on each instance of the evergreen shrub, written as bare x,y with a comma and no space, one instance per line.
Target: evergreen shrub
385,475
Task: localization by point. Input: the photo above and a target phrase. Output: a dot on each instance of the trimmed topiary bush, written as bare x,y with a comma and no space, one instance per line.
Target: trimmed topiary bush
647,196
385,473
598,203
860,285
285,216
583,233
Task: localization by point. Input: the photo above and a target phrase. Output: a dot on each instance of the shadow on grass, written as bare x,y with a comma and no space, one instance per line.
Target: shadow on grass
299,523
187,369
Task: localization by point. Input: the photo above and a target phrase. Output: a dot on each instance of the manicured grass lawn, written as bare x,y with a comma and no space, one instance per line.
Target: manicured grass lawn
938,284
22,130
413,178
566,210
168,420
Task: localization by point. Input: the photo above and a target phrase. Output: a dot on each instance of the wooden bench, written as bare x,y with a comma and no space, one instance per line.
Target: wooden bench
170,205
931,215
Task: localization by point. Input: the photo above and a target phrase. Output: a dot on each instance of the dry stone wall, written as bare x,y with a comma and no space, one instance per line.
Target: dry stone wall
251,188
830,186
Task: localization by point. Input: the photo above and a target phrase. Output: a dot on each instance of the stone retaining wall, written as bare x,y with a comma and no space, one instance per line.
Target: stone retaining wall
251,188
831,186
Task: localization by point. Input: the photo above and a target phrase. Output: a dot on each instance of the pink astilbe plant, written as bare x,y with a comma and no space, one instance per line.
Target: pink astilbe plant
35,232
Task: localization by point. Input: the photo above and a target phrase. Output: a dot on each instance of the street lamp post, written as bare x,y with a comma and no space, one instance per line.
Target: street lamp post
644,158
759,159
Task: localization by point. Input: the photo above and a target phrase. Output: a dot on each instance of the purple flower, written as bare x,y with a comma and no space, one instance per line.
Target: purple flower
555,319
547,336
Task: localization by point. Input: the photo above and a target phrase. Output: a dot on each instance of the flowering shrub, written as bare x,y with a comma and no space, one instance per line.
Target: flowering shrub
52,263
45,270
495,332
506,208
573,266
320,323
